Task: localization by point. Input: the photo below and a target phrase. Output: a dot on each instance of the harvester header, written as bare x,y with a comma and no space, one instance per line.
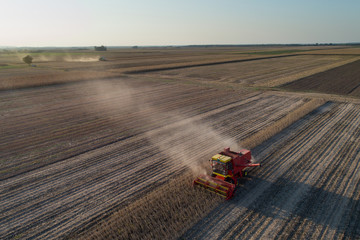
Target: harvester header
227,169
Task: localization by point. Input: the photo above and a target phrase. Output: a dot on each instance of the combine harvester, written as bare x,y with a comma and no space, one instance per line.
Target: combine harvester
228,167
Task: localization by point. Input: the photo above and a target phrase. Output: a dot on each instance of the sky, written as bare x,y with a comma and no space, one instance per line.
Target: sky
41,23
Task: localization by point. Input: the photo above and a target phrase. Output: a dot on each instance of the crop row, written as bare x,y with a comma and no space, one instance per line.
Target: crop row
263,72
51,129
172,133
140,220
307,187
341,80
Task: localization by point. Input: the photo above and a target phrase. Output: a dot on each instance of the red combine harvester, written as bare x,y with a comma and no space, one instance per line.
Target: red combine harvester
228,167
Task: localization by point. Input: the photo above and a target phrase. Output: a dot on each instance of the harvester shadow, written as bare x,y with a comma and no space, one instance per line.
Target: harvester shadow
294,203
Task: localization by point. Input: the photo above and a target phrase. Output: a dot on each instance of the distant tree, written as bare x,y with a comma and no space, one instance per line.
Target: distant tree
28,59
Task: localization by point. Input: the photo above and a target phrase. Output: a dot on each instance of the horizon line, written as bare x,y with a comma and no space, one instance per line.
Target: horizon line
191,45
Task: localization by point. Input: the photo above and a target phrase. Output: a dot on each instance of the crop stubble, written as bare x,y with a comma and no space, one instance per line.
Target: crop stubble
266,72
69,156
106,143
308,186
62,67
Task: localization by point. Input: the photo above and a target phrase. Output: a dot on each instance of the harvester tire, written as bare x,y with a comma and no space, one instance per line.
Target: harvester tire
230,180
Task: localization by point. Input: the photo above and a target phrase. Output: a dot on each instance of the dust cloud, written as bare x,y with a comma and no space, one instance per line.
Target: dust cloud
188,140
57,58
185,139
43,58
81,59
67,58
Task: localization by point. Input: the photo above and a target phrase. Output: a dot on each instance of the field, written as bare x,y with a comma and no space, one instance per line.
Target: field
264,72
77,65
307,188
99,150
344,80
88,148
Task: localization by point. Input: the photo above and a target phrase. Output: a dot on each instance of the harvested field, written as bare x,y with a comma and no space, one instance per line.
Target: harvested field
74,65
343,80
34,78
307,188
89,158
337,50
266,72
71,153
61,67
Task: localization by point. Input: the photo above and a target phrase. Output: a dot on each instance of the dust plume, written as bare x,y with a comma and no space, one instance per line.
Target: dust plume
43,58
81,59
67,58
112,97
185,139
59,58
188,140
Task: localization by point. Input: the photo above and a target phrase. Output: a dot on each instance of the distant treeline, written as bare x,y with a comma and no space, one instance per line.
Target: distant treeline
276,45
101,48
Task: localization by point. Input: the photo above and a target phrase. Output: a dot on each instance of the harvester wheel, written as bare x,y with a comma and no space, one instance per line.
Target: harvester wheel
230,180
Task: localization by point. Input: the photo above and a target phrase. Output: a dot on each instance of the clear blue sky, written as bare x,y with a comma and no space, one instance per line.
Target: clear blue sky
169,22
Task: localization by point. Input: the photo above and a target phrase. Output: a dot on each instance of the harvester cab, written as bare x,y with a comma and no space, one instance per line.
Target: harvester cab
227,168
221,166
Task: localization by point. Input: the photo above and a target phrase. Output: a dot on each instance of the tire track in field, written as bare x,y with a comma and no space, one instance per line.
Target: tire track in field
269,185
112,134
51,201
311,168
253,194
304,169
53,135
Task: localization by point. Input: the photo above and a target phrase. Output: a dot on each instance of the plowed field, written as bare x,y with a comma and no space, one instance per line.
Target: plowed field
307,188
264,72
341,80
81,152
70,153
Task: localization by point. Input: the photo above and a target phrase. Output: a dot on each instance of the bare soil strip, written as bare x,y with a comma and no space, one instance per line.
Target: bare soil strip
204,64
318,69
264,72
307,188
340,80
